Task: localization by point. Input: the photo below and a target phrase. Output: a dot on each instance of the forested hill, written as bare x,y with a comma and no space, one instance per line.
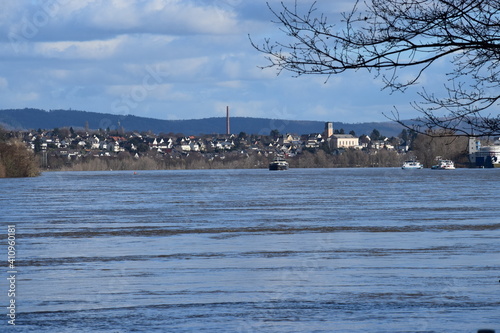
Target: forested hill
35,119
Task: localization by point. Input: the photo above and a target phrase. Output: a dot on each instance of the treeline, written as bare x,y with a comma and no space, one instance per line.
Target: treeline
125,161
15,159
235,160
454,148
348,159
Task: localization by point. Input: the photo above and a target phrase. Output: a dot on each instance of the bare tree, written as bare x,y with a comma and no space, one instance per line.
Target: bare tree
387,36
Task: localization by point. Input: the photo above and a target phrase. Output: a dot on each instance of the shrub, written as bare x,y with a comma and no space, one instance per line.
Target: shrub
16,160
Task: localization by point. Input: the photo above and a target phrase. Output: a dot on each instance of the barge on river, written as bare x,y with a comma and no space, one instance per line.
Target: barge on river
279,163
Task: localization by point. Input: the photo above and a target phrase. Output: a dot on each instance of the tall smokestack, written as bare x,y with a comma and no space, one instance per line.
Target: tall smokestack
228,129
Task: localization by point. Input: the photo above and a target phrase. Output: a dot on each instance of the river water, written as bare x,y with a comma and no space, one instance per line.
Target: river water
303,250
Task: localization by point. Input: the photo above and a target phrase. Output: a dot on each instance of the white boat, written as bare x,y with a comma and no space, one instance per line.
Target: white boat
444,165
278,163
412,165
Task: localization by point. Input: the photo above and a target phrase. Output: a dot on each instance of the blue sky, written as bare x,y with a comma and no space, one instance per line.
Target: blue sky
172,59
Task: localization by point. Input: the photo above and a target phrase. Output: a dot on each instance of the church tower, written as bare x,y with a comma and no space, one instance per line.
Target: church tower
328,129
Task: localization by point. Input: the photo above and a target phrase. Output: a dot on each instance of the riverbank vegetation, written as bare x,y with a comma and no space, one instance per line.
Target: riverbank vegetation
236,160
15,159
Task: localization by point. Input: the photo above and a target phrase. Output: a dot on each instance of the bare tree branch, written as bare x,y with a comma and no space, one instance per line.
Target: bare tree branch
386,36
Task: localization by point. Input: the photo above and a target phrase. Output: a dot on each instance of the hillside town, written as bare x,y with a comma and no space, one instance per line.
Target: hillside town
62,147
87,150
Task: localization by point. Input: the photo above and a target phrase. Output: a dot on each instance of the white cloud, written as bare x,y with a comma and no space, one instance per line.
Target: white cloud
185,69
27,96
232,68
4,84
96,49
320,110
158,16
231,84
137,94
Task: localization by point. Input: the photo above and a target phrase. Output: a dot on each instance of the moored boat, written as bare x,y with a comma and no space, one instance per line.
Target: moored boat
279,163
412,165
444,165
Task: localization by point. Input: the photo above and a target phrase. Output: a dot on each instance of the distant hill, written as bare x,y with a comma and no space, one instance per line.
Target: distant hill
36,118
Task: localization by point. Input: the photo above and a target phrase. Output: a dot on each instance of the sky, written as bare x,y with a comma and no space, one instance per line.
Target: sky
172,59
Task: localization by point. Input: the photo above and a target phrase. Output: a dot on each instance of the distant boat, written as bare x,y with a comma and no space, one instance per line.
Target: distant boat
444,165
278,163
412,165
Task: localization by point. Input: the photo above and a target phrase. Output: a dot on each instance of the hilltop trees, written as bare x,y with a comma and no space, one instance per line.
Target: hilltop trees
398,40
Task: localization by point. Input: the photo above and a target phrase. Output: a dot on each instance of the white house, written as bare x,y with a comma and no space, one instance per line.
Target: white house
344,141
95,143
